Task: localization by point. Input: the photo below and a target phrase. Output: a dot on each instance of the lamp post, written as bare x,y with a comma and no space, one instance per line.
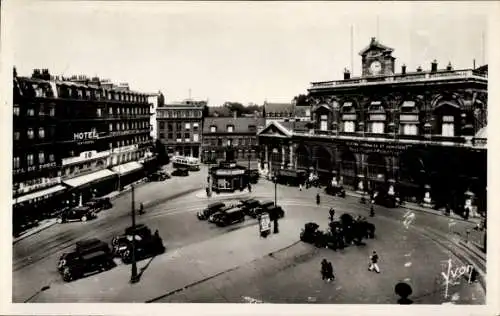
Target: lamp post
134,278
275,179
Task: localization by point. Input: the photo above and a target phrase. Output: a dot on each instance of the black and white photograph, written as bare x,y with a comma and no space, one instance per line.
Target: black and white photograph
313,154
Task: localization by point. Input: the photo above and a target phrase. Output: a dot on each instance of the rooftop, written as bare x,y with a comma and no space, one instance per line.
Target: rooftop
241,124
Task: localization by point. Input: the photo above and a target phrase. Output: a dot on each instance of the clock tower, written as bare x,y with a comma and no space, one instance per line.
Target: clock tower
377,60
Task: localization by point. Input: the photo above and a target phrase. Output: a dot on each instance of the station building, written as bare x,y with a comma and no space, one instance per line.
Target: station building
421,133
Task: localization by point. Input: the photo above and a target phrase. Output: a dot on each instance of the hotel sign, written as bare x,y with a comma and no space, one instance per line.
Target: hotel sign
383,148
85,137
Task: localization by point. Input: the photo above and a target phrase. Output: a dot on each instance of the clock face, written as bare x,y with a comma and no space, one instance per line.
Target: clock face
375,67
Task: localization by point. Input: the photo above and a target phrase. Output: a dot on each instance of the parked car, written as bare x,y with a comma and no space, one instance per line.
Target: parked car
89,256
264,205
158,176
103,203
275,212
249,206
231,216
181,172
214,217
79,213
335,190
146,244
209,210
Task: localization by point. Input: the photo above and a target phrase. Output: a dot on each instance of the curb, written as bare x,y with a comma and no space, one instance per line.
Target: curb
410,207
36,231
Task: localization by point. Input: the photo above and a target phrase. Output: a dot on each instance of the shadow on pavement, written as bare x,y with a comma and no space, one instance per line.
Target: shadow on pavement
143,269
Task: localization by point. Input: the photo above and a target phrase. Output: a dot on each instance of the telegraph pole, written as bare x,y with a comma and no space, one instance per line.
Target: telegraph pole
134,277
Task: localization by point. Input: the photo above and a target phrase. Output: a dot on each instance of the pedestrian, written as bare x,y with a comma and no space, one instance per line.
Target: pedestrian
249,187
373,262
317,198
141,208
330,275
324,269
332,214
300,186
276,229
372,211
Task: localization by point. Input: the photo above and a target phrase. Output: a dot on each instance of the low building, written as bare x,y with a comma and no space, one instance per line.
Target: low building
240,133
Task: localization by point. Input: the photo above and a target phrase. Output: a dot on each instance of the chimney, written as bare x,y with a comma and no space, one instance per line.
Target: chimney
449,67
419,69
347,74
474,63
434,66
403,69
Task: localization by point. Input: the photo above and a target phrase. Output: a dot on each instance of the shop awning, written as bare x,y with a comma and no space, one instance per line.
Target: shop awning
88,178
127,168
38,194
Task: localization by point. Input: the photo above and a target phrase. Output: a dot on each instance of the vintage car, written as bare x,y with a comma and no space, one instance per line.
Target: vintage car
89,256
104,203
181,172
336,190
249,206
79,213
146,244
210,210
230,216
264,205
275,212
158,176
310,233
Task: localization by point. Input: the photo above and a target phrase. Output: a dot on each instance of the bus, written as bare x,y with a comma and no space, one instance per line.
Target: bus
190,163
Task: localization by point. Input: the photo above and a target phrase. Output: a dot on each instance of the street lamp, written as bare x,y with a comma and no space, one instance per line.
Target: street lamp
134,278
275,178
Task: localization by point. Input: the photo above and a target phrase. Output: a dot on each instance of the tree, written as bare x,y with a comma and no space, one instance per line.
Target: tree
301,100
161,153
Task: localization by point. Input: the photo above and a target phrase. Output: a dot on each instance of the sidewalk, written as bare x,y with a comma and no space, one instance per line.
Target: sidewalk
176,269
43,225
47,223
418,208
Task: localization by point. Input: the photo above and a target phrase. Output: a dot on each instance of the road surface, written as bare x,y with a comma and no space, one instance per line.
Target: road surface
289,276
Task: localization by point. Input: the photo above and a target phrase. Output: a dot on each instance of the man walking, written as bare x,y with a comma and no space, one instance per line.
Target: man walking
332,214
373,262
317,198
330,276
372,211
324,269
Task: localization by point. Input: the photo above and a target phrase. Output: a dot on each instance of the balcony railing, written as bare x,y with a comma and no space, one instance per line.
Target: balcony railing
415,76
438,139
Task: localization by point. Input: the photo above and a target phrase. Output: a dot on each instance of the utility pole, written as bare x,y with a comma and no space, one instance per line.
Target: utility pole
134,277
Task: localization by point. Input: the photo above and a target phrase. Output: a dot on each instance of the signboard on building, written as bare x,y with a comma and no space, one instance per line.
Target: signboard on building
373,147
85,137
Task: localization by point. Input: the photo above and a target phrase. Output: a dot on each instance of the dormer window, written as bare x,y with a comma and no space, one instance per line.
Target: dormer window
376,106
213,129
230,128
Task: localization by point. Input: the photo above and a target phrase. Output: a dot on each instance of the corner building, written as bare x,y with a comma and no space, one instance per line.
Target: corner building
75,138
423,133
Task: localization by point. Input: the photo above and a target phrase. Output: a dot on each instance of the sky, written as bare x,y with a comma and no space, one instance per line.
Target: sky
238,51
